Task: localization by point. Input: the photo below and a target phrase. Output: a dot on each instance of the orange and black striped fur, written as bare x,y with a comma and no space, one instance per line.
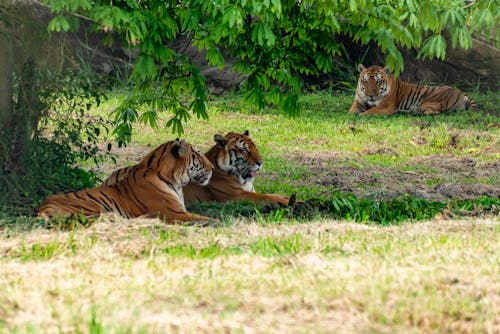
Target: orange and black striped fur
380,93
153,188
237,161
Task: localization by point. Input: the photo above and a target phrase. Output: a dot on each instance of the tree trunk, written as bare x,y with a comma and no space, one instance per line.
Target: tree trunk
19,110
25,115
6,71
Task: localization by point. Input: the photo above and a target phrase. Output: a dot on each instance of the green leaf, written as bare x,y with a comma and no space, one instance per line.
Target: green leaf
429,17
290,104
199,108
241,66
275,95
59,23
353,5
269,35
411,5
176,125
233,17
256,97
434,46
149,117
144,67
394,60
215,58
465,38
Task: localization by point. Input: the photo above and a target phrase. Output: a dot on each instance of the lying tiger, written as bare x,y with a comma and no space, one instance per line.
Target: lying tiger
237,161
153,188
380,93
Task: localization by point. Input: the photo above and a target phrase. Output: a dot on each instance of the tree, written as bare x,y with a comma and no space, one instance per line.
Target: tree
44,130
274,42
19,112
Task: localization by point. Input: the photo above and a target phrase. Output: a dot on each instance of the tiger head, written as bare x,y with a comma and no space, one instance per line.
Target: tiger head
236,154
373,85
179,161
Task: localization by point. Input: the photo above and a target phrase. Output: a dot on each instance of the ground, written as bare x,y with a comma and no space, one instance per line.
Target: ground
325,276
278,273
439,178
433,177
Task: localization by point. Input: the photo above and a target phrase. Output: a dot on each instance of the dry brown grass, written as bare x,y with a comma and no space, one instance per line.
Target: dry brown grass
439,276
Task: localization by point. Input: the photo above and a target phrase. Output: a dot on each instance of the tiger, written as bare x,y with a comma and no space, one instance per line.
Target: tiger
152,188
236,163
379,93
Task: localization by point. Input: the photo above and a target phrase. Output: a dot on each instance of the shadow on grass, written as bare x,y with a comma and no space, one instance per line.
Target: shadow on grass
350,207
337,206
62,223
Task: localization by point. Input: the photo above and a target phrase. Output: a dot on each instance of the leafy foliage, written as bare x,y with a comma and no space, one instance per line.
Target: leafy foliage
68,98
275,42
66,135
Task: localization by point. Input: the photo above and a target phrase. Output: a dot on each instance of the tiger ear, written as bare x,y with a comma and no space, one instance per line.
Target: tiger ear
220,141
180,149
387,70
361,68
246,133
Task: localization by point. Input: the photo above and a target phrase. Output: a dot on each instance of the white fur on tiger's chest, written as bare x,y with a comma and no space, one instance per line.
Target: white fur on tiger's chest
248,186
371,104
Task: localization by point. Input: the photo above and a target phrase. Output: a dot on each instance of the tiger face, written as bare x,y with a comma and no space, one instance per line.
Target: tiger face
238,156
200,168
373,85
191,165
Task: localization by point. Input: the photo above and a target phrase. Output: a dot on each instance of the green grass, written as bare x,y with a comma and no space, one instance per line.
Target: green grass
142,276
365,253
326,153
325,124
350,207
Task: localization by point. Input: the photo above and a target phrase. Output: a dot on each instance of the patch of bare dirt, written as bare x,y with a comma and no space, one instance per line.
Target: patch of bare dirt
430,178
436,177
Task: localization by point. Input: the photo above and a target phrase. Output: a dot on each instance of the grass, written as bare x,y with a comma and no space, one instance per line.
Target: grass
142,276
401,235
310,153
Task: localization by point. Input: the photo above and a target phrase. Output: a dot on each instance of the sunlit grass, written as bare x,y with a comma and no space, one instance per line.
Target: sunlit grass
356,263
324,124
303,154
143,276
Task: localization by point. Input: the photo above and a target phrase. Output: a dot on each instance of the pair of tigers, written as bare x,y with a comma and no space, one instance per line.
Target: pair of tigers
379,93
173,175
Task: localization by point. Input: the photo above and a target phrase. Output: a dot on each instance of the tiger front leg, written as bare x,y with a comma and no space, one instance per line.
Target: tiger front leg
269,198
380,109
172,211
356,108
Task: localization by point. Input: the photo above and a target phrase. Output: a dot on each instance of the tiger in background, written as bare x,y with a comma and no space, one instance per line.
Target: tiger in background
237,162
153,188
379,93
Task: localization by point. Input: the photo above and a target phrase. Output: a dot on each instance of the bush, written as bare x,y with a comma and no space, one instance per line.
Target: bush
65,135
